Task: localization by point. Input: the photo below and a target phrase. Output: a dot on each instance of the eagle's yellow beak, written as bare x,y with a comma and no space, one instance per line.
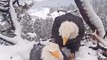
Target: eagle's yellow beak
64,40
56,54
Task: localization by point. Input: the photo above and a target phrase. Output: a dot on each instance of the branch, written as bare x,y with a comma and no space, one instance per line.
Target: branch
15,24
16,1
7,41
10,40
99,39
90,16
14,19
62,11
105,35
4,7
4,10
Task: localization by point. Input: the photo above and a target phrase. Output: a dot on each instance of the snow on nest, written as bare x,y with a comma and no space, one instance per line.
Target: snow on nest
85,53
16,52
89,43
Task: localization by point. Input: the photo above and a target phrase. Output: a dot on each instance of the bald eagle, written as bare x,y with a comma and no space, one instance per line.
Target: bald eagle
47,51
68,30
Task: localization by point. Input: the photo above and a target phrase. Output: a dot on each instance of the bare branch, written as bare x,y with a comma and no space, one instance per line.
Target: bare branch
16,1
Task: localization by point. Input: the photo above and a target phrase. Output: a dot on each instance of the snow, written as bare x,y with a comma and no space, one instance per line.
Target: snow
16,52
28,2
23,2
93,17
39,0
14,19
85,53
45,42
41,12
2,23
91,43
32,35
22,50
8,57
53,3
55,14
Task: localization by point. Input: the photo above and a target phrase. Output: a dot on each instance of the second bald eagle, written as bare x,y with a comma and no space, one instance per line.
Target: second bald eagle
68,30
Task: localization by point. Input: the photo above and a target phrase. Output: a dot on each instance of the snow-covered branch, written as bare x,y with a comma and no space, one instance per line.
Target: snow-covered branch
14,19
4,9
21,48
99,39
15,25
90,16
14,22
7,39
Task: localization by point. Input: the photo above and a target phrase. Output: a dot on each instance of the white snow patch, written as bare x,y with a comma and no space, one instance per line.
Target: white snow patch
38,0
32,35
85,53
16,52
23,2
42,13
55,14
89,43
2,23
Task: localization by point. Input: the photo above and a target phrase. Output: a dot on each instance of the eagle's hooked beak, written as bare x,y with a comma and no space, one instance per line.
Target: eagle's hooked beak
56,54
64,40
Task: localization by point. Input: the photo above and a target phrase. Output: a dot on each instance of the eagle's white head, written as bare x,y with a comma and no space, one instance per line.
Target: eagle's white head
68,30
51,52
